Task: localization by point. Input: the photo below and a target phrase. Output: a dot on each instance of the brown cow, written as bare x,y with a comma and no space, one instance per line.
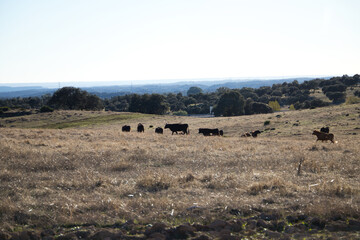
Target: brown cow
247,134
324,136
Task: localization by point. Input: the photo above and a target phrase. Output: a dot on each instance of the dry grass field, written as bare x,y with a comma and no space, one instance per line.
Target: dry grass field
94,174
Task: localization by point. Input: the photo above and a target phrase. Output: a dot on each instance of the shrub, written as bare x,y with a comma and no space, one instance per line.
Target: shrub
180,113
334,88
274,105
4,109
45,108
258,107
336,97
292,108
357,93
267,122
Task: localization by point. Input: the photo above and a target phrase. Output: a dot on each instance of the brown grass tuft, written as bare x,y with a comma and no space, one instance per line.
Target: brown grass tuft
152,183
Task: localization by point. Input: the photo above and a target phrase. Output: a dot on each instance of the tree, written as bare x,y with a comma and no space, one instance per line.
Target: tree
231,103
336,97
357,93
274,105
258,107
70,98
334,88
248,106
194,91
156,104
135,103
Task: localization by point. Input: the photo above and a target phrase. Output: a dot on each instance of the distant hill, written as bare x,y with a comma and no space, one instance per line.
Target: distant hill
178,87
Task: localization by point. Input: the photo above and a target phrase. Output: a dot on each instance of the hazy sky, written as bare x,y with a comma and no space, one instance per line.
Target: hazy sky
124,40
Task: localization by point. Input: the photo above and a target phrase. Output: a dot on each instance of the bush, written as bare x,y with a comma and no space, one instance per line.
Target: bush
357,93
274,105
267,122
292,108
4,109
44,109
180,113
336,97
334,88
258,107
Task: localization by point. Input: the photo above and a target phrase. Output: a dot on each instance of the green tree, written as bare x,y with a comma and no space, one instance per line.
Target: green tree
248,106
258,107
231,103
194,91
135,103
274,105
336,97
157,105
70,98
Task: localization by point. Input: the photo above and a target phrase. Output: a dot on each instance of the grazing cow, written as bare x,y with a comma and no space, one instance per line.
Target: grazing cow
324,136
126,128
208,131
325,130
255,133
159,130
247,134
140,128
221,132
178,128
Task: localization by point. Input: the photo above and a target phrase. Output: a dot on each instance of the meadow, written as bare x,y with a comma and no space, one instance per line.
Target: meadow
74,168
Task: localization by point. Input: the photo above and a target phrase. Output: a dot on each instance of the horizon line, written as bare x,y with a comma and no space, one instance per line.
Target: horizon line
173,80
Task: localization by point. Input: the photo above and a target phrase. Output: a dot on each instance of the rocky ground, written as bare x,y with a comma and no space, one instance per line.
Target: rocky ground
262,226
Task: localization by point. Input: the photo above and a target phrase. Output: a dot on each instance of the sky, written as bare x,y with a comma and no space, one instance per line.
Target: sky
152,40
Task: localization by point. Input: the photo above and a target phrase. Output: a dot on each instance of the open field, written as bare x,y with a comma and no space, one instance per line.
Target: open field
64,176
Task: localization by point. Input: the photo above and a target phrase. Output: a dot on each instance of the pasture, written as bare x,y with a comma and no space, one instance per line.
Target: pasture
95,174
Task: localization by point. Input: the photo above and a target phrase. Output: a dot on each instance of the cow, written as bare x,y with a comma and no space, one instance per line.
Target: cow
255,133
325,130
247,134
221,132
323,136
159,130
177,127
140,128
208,131
126,128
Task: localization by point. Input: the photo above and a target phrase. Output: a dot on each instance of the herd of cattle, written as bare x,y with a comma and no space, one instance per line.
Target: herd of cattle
177,127
322,135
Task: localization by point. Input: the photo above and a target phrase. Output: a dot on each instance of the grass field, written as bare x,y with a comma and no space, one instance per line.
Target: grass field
73,168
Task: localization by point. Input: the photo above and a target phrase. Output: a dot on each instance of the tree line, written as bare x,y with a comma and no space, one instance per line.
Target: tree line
225,101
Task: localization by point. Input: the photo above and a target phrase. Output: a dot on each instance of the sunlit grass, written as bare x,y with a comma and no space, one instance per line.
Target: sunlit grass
99,174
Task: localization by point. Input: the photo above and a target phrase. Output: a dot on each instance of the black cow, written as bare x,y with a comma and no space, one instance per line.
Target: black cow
255,133
140,128
159,130
325,130
126,128
178,128
221,132
208,131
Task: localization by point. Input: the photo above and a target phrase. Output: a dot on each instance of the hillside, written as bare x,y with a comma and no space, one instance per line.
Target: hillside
115,90
90,178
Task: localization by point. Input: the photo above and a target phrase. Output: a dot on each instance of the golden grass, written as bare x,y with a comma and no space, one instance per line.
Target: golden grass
101,175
